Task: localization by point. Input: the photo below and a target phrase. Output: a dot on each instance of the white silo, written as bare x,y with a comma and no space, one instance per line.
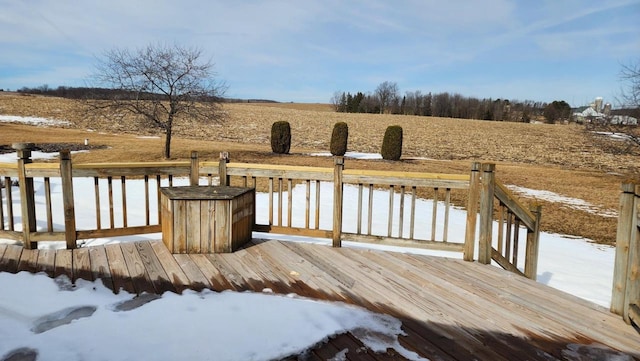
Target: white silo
598,104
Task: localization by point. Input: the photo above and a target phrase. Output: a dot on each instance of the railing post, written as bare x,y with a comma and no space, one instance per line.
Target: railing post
337,201
194,173
66,176
533,245
486,213
27,199
626,277
222,169
472,211
632,292
623,238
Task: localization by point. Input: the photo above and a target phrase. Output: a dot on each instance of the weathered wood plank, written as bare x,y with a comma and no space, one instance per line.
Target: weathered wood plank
118,232
403,242
174,272
326,266
100,266
66,175
249,277
308,279
234,279
197,280
217,281
82,264
319,233
207,225
118,268
280,278
3,248
64,263
166,221
157,275
130,169
28,260
504,263
222,233
505,196
46,261
139,276
192,225
179,208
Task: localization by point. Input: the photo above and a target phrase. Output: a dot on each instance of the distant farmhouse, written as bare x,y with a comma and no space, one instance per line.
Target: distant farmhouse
596,112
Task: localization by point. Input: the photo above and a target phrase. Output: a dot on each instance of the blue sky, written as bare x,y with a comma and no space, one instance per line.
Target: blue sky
304,51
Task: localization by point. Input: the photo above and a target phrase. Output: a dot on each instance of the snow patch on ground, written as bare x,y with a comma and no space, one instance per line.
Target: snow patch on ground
32,120
13,157
574,203
76,324
354,155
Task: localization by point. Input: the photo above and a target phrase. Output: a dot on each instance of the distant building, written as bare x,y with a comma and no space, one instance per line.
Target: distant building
596,112
588,115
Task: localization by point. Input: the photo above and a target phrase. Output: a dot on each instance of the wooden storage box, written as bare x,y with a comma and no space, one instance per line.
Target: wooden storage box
201,219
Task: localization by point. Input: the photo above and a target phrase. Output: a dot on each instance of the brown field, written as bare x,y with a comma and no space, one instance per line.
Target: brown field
556,158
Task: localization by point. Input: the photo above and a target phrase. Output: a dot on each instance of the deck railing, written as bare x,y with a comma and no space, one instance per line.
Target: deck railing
404,223
625,299
514,218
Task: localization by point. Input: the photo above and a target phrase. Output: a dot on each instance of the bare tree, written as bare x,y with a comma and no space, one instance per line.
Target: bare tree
619,132
630,75
387,95
338,100
160,83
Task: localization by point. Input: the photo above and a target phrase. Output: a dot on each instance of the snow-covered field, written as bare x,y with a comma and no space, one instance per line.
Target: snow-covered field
33,308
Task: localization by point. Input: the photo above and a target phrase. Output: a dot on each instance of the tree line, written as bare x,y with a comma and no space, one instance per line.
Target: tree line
97,93
387,99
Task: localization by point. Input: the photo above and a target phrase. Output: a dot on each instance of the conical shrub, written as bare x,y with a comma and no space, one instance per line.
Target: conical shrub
339,138
392,143
281,137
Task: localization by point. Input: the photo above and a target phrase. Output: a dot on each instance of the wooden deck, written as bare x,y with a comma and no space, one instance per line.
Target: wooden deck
450,309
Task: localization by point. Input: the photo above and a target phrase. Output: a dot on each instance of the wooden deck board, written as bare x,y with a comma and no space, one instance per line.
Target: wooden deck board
171,267
3,247
46,261
118,268
100,266
450,309
64,263
28,260
82,264
155,271
135,266
234,279
10,259
212,274
197,279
